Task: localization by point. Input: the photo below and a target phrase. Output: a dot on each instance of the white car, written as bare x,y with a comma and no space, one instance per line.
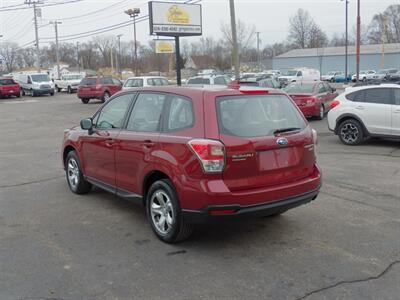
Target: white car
68,82
364,75
133,82
209,79
35,84
298,75
366,111
330,76
384,74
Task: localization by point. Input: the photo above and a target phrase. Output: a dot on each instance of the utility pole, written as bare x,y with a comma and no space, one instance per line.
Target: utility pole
347,39
258,49
133,13
112,59
55,23
235,50
77,56
29,2
358,39
118,63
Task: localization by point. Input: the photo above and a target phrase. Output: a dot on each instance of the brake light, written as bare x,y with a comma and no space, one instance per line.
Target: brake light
210,153
335,103
98,87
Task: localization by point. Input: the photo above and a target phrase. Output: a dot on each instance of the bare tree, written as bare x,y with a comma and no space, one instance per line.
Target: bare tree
245,34
386,26
104,45
9,51
316,37
300,26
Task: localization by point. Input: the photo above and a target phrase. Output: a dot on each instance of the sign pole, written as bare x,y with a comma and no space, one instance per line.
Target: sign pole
178,62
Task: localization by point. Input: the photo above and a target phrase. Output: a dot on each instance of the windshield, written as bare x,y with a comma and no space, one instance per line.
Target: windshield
289,73
331,73
6,82
73,77
40,78
299,88
257,115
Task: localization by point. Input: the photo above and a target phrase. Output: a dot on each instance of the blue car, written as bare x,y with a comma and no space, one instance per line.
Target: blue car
340,77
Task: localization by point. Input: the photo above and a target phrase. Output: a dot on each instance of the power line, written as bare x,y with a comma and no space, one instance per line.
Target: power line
41,5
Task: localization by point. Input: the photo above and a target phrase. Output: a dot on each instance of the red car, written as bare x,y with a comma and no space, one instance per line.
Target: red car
313,98
196,154
98,88
8,87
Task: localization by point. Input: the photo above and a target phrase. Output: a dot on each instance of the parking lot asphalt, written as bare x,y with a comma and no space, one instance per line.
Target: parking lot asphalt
57,245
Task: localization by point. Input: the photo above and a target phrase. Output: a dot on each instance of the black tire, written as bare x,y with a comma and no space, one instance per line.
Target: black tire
105,97
33,94
351,132
23,93
58,89
85,100
81,186
69,90
321,114
52,94
179,230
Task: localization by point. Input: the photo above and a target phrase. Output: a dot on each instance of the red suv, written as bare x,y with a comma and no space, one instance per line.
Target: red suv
8,87
313,98
98,88
196,154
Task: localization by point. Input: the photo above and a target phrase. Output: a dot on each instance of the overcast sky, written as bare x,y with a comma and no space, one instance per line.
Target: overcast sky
270,17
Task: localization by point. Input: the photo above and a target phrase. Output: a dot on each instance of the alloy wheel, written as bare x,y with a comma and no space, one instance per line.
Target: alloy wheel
162,213
73,173
349,133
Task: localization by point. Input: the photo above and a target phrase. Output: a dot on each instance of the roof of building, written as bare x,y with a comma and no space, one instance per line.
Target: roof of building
332,51
203,61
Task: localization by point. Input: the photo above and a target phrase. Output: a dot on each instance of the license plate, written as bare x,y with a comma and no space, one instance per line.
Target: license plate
11,91
278,159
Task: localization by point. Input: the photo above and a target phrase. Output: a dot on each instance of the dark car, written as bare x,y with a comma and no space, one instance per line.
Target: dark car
192,155
313,98
8,87
98,88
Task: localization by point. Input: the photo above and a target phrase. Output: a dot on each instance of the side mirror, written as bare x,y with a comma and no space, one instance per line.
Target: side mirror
87,124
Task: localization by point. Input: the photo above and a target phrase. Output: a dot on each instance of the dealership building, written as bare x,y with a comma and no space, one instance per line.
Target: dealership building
333,58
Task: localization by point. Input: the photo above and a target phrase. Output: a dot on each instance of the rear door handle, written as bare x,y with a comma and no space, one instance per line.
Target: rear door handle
148,144
360,107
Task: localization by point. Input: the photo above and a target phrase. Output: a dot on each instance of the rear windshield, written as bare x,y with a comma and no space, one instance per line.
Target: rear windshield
88,81
137,82
257,115
6,82
199,80
299,88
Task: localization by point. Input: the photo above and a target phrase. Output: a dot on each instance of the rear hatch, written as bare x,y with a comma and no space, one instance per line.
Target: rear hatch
267,141
8,85
88,85
301,99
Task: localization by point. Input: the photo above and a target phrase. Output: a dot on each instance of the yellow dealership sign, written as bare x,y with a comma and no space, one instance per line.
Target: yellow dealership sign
177,15
165,46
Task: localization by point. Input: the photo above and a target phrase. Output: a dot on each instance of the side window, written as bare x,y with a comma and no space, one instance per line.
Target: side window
397,96
164,81
219,80
116,81
356,96
106,81
299,73
379,96
150,81
321,88
180,113
146,113
113,114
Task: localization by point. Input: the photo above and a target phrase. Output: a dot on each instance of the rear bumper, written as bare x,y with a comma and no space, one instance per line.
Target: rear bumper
9,93
91,94
309,111
216,212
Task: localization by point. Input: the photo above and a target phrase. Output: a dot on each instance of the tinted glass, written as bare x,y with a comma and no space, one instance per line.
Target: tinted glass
106,81
356,96
266,83
257,115
88,81
180,113
6,82
164,81
112,115
199,80
321,88
157,81
150,81
220,80
40,78
300,73
134,82
299,88
145,116
116,81
397,96
380,96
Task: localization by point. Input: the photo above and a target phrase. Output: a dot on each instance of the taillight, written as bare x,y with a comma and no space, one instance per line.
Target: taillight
335,103
98,86
211,154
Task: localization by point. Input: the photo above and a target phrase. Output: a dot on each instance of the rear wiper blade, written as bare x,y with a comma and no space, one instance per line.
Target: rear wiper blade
282,130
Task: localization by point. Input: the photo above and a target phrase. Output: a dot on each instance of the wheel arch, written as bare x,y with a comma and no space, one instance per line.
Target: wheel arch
348,117
67,150
149,179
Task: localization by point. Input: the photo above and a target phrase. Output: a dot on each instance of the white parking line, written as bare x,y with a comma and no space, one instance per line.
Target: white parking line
19,101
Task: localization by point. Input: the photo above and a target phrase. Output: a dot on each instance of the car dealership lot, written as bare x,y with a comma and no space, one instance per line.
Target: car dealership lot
54,244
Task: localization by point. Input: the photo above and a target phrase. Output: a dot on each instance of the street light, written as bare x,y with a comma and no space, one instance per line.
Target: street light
347,38
133,13
119,55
